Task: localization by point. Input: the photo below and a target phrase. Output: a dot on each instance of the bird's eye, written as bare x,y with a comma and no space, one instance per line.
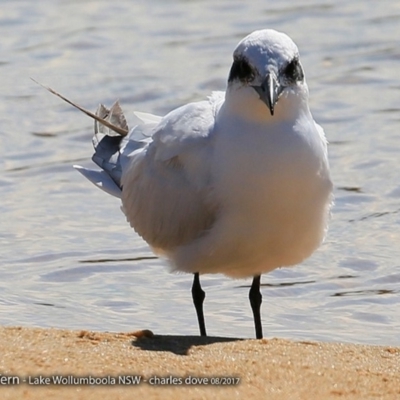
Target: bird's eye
241,70
293,71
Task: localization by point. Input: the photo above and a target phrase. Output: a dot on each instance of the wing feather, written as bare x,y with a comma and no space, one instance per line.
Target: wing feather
167,188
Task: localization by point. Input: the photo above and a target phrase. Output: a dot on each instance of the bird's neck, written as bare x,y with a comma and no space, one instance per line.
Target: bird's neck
244,102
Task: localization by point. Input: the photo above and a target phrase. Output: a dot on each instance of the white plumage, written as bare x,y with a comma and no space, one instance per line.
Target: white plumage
237,184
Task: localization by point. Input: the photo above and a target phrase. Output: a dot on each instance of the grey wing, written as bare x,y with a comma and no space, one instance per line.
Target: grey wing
167,188
112,150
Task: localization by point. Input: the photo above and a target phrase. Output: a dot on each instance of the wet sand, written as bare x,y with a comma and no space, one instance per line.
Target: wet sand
168,366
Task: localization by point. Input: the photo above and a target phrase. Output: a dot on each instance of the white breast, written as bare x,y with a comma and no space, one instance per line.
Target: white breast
274,190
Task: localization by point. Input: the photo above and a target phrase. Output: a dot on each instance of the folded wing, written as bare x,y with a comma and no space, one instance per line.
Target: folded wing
161,170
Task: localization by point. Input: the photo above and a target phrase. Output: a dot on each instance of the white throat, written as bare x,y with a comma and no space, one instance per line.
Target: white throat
244,102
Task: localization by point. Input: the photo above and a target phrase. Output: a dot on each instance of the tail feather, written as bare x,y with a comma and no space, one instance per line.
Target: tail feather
107,142
101,179
112,141
117,129
114,116
107,157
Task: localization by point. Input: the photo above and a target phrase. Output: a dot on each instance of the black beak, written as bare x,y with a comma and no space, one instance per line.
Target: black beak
269,91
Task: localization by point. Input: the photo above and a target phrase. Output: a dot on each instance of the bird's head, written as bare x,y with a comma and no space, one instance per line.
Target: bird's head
266,63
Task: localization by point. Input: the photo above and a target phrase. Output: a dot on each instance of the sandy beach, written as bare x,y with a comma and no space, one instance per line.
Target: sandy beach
50,363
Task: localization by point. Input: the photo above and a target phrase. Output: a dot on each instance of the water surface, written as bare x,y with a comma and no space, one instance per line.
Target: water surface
68,258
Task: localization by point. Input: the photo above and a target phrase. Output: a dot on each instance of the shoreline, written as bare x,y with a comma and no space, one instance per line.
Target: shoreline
152,366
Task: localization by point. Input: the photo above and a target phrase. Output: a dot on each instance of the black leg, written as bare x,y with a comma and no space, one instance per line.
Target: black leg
199,295
255,302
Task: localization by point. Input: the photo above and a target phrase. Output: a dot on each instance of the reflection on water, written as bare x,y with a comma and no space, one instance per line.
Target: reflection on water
68,257
281,284
376,215
351,189
110,260
364,292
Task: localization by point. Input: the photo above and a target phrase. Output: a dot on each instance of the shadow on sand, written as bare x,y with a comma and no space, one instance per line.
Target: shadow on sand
179,345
